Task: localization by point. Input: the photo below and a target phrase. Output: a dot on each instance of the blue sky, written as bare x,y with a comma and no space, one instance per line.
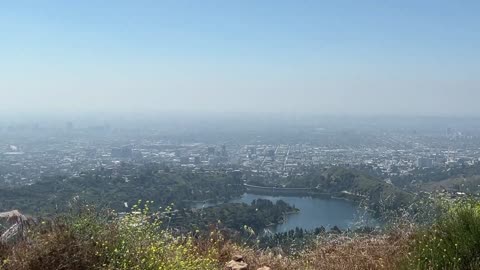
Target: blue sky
335,57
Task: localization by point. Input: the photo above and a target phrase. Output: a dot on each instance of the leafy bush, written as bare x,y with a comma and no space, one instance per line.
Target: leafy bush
139,243
89,239
452,242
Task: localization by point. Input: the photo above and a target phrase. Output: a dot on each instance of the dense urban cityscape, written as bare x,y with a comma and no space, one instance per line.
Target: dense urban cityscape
32,152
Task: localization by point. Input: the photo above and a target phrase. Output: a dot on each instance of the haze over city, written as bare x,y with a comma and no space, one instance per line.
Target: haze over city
294,57
239,135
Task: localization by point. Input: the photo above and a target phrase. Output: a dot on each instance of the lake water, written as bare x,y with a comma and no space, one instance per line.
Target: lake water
314,212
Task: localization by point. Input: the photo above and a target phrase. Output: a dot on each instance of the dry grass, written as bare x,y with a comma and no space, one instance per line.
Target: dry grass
76,244
334,252
53,250
61,250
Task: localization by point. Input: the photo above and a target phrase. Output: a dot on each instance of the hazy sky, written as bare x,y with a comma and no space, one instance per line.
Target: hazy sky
335,57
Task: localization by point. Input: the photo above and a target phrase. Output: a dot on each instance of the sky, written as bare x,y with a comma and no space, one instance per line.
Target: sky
366,57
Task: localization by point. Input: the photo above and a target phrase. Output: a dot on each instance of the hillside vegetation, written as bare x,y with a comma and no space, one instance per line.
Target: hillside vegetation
127,183
354,185
90,239
83,223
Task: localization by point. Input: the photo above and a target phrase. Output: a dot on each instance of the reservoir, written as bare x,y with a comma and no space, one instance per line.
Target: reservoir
314,212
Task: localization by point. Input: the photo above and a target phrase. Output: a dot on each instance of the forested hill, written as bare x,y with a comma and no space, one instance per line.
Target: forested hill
344,182
357,185
127,183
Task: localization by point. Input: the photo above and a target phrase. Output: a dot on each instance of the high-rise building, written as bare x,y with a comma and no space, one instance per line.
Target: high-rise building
122,152
224,150
424,162
197,160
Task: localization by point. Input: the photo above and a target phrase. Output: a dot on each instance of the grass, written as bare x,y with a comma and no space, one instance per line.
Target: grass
335,252
452,242
91,239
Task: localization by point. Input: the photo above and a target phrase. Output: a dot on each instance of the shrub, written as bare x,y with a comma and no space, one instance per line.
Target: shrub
139,242
452,242
89,239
